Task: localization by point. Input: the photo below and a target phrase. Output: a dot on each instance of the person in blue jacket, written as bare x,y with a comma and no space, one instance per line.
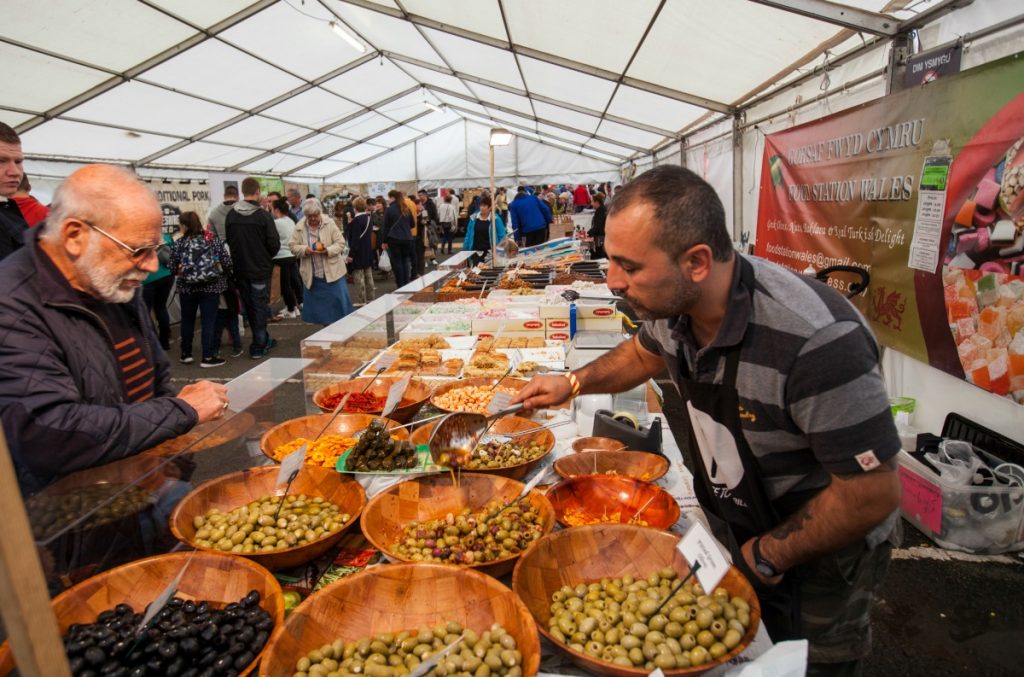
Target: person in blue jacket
478,231
530,218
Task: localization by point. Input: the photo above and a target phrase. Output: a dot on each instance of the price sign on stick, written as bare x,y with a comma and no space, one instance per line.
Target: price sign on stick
431,662
498,402
161,600
532,483
395,393
700,548
290,466
386,360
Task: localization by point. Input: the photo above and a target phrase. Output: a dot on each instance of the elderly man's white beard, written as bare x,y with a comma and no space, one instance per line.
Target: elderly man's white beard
101,282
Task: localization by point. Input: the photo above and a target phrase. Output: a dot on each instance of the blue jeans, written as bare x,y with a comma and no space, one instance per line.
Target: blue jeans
447,234
255,296
403,260
206,304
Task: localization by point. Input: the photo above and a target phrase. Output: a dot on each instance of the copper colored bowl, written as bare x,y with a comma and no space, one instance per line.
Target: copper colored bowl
417,394
310,426
640,465
516,384
589,554
582,444
603,497
503,426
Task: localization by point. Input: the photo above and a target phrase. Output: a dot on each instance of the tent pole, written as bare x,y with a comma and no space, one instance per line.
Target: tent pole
494,231
737,179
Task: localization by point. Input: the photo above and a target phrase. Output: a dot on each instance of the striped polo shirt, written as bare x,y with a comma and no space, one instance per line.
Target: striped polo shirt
811,397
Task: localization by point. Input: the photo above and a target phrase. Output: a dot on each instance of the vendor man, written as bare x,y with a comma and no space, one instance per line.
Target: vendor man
792,442
83,380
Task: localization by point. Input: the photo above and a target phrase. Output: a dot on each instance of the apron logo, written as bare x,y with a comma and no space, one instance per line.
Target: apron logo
868,460
717,449
748,416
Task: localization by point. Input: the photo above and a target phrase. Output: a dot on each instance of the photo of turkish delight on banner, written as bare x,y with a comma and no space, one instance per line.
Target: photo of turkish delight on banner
983,272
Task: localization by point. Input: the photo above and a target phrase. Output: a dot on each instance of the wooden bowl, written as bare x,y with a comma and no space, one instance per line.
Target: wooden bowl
426,498
310,426
206,436
211,577
588,554
582,444
417,393
598,496
507,382
237,489
639,465
401,597
503,426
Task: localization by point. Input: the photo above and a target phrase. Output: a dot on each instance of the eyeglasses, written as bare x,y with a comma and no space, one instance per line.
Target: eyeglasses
137,254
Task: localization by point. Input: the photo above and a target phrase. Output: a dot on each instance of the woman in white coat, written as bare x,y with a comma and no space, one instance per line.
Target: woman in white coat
320,248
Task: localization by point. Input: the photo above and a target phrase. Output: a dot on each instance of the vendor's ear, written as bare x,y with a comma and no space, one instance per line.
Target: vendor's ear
75,236
696,262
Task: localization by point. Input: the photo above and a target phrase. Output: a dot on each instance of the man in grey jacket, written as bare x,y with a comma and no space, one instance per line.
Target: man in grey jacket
83,381
216,217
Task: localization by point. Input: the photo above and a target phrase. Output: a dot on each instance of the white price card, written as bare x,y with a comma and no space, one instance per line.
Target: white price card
532,483
290,466
462,277
657,673
395,393
476,270
386,360
342,402
163,598
699,546
431,662
498,402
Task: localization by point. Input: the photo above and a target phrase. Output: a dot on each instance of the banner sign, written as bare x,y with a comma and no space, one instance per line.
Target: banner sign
924,190
929,66
176,197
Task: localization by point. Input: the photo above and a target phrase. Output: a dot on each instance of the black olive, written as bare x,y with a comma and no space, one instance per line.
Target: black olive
76,647
151,648
180,632
95,656
191,672
264,624
87,673
74,628
234,606
109,667
76,664
168,650
138,671
243,659
175,669
119,647
175,602
208,672
155,665
153,634
189,646
246,634
116,625
124,610
121,671
105,616
208,657
252,599
208,632
222,663
203,607
261,638
201,619
189,607
164,613
236,649
107,642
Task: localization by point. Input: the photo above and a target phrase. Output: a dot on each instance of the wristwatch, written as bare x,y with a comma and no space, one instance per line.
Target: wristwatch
763,566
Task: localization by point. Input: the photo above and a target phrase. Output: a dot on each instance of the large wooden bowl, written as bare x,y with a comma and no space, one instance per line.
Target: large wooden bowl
216,578
237,489
603,496
417,393
507,382
401,597
639,465
432,497
588,554
206,436
503,426
584,444
310,426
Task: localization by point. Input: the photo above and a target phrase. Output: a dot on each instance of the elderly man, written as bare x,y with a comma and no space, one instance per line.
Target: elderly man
792,442
294,204
83,380
12,223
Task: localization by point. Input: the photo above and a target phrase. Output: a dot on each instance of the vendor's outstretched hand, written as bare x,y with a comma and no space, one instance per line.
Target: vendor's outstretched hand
544,391
209,399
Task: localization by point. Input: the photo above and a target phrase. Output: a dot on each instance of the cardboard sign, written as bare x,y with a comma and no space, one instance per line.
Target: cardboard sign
291,465
921,500
700,546
498,402
395,393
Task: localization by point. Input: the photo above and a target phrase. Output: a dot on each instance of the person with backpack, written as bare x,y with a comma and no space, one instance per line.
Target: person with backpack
202,266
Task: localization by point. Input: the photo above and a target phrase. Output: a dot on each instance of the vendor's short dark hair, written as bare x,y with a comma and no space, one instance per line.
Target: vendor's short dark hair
250,186
685,206
231,191
8,135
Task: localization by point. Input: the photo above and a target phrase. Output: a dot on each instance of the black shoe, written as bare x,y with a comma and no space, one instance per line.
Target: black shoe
187,359
211,362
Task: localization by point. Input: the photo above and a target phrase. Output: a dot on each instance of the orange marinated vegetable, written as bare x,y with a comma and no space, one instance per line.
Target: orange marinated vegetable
324,452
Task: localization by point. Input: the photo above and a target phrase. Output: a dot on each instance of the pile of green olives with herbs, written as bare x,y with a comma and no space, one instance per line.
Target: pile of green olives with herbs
376,451
253,528
491,653
472,538
613,620
499,454
107,503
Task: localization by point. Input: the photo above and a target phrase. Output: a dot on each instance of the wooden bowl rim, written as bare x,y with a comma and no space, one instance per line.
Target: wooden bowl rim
338,387
596,479
263,470
478,381
662,462
534,495
572,445
401,433
540,458
579,532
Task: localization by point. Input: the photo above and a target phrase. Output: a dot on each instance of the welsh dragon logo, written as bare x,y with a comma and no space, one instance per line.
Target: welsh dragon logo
888,308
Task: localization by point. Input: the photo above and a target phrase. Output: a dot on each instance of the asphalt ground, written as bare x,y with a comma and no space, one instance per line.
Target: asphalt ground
939,612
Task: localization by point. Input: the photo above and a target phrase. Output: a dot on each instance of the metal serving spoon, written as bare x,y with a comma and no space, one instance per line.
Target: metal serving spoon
571,295
456,435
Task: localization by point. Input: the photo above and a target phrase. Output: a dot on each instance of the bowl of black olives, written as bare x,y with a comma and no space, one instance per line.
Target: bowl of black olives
218,622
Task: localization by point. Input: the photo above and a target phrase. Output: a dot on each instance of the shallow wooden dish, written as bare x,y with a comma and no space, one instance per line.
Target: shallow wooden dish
507,382
236,489
206,436
600,495
426,498
503,426
639,465
588,554
418,393
310,426
215,578
583,444
401,597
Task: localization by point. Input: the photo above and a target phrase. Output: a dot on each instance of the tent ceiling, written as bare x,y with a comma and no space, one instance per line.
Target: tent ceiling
266,85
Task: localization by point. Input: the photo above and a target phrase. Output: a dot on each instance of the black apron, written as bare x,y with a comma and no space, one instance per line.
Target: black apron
727,483
482,236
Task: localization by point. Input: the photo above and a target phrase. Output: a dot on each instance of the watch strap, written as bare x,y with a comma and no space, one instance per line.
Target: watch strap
762,564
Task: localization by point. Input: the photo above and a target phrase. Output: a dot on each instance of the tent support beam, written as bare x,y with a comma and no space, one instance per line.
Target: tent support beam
578,66
840,15
737,179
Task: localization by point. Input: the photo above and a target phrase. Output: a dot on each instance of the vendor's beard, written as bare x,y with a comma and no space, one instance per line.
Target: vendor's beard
681,300
104,284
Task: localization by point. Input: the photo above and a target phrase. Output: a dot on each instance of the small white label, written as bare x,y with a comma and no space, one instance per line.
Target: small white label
395,393
462,277
343,402
476,269
386,360
290,466
700,546
161,600
657,673
498,402
534,481
868,460
429,664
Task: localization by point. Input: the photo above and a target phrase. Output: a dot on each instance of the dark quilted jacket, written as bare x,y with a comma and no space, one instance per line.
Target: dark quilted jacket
61,399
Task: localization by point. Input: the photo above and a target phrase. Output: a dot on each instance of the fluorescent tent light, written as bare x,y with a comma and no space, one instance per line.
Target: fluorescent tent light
347,37
433,107
500,136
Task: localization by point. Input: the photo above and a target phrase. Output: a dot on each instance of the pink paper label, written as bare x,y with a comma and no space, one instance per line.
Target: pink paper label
921,500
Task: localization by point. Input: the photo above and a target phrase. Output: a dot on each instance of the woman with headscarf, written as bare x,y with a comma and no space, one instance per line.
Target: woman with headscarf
320,247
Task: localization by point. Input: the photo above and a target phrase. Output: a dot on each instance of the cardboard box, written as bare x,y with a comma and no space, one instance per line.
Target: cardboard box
517,320
558,335
560,311
552,324
589,311
527,333
613,323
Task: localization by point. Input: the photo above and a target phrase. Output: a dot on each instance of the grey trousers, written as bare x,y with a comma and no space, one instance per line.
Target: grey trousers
362,280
